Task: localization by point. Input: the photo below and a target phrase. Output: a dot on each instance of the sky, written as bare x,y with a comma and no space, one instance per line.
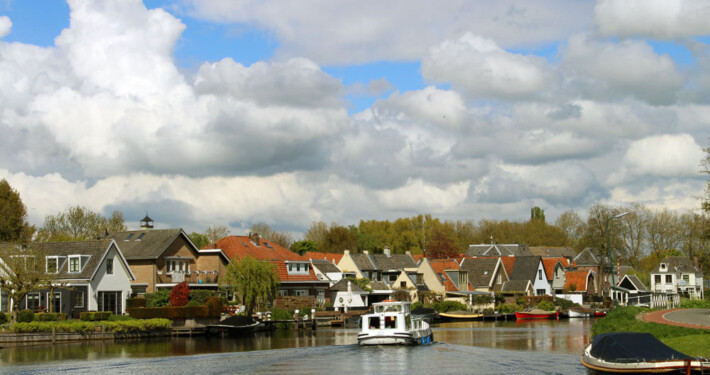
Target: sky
216,112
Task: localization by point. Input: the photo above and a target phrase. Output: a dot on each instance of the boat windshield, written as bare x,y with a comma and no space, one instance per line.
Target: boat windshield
388,308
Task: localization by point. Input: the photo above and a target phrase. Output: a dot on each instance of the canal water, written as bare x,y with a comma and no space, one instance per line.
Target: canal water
526,347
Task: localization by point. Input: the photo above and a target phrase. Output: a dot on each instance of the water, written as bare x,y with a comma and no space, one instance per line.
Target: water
534,347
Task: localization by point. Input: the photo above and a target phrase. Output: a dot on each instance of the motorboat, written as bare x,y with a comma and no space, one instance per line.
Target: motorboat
536,314
392,323
237,325
599,314
637,353
579,312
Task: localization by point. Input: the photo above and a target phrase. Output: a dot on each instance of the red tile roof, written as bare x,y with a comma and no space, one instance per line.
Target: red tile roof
549,265
330,257
282,271
578,279
440,266
240,246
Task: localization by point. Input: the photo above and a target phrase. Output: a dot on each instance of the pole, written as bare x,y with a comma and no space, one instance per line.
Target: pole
611,258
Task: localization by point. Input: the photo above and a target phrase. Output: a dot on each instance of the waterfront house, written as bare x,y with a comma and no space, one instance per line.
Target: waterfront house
631,291
384,267
485,274
162,258
582,282
677,275
326,270
298,279
412,281
555,269
445,278
346,294
497,250
87,275
531,268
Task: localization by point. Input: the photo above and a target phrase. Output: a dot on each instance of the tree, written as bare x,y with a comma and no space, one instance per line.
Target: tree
663,232
22,271
537,213
78,223
442,243
253,281
200,240
302,247
269,234
13,216
216,232
634,234
317,233
338,239
180,294
573,226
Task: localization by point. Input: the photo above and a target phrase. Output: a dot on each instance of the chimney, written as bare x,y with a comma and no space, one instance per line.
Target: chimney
365,252
386,251
346,252
254,238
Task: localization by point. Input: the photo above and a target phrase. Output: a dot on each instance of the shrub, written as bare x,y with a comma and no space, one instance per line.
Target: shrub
565,304
482,299
135,302
546,305
157,299
3,318
170,312
180,294
50,317
199,297
214,306
507,308
119,318
447,306
694,303
417,305
278,313
25,316
92,316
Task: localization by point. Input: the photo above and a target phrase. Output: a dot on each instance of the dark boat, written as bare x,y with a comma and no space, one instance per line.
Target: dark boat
637,353
233,326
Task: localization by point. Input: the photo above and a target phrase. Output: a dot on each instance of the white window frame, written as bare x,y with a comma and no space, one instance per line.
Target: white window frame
109,266
83,298
300,292
33,294
78,263
46,263
297,268
179,265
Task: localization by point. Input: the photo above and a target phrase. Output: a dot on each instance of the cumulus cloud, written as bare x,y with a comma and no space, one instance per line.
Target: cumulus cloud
480,68
418,195
606,70
659,19
670,155
364,31
5,26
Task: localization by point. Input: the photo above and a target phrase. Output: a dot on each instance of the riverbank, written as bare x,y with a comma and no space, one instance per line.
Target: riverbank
691,341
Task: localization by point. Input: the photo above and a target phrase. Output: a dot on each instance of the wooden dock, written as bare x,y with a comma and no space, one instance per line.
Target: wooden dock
189,331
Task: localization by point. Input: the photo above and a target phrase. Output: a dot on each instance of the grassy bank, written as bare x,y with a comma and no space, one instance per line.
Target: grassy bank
693,342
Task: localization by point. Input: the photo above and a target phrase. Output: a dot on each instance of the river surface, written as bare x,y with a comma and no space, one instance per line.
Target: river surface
526,347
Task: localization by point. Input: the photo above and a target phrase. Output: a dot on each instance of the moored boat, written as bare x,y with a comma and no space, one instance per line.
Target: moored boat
454,316
536,314
237,325
579,312
637,353
392,323
599,314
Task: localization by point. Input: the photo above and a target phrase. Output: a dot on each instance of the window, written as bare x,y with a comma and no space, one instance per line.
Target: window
56,302
297,268
657,279
52,264
403,284
177,266
539,274
300,292
500,279
686,278
74,262
539,292
129,237
283,293
140,236
110,301
32,301
393,278
79,299
669,279
109,266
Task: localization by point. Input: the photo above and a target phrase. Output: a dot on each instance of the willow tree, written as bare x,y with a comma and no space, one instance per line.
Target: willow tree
253,281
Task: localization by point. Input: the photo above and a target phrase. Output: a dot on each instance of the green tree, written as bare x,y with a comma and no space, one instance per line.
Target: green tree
253,281
13,216
200,240
78,223
537,213
338,239
316,233
442,243
22,271
301,247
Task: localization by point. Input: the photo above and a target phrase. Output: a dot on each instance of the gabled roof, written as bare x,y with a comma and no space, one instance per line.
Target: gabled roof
379,285
384,262
331,257
237,247
284,276
586,258
91,254
677,264
325,266
549,265
480,270
362,261
342,286
578,279
442,268
496,250
632,282
525,268
516,286
554,252
146,243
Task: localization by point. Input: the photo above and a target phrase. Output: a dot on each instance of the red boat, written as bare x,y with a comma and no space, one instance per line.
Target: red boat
599,314
537,314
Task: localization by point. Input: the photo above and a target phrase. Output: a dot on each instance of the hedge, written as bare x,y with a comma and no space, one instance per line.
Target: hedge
3,318
91,316
85,327
135,302
25,316
50,317
171,312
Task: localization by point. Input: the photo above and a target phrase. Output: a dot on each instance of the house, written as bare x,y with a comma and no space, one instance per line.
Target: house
326,270
331,257
531,268
581,282
555,269
384,267
631,291
677,275
553,252
359,264
445,277
411,280
298,278
162,258
485,274
88,276
497,250
346,294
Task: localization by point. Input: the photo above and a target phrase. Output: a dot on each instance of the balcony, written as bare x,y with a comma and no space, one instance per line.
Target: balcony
192,277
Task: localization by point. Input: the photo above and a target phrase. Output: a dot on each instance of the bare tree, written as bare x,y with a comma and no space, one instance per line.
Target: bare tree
216,232
22,271
663,232
634,234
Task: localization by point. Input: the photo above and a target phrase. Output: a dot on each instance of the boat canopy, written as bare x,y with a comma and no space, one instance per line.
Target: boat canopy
632,347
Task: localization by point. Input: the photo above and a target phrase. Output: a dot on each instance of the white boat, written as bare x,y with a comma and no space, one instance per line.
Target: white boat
575,312
392,323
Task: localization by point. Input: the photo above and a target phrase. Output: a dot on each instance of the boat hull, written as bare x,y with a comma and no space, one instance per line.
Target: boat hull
579,314
460,317
597,366
526,315
395,338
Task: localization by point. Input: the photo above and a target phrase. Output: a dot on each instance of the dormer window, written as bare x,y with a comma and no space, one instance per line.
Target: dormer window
664,266
297,268
74,264
140,236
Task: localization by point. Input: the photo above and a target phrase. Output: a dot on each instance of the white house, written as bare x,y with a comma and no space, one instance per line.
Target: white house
346,294
677,275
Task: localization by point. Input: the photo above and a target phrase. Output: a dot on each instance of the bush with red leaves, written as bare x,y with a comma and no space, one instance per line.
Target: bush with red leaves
180,294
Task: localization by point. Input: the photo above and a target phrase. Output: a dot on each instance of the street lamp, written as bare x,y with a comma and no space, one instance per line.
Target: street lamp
611,259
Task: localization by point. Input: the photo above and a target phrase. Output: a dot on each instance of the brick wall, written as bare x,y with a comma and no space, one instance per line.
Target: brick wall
292,303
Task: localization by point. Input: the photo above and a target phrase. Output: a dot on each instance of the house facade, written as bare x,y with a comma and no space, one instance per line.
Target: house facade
677,275
485,274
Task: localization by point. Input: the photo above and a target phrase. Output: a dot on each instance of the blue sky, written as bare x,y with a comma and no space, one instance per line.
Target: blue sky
289,113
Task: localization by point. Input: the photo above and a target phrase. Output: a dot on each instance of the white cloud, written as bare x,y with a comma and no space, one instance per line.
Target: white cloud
670,155
661,19
420,196
606,70
371,30
5,26
480,68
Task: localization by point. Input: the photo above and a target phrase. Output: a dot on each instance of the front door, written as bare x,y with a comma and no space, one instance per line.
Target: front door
110,301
